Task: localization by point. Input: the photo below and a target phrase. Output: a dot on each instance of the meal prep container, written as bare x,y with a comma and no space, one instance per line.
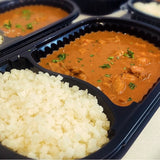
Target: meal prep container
98,7
18,42
141,16
126,122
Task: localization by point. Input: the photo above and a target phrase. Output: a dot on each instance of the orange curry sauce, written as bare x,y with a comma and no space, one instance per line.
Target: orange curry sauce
24,20
124,67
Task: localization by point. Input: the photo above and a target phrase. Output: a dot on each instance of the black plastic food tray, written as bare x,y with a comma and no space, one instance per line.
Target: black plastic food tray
141,16
98,7
11,44
126,122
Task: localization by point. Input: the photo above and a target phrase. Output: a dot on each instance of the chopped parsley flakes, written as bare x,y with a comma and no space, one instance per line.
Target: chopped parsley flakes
105,66
129,53
110,58
131,85
8,25
129,99
29,26
108,75
60,57
27,14
79,60
99,80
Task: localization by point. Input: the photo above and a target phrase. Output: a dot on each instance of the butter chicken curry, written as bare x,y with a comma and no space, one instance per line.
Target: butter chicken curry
24,20
124,67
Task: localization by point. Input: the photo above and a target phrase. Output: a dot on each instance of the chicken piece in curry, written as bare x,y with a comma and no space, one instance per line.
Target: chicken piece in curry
122,66
27,19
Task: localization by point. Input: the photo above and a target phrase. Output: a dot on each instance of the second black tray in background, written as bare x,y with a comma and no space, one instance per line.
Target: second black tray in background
11,44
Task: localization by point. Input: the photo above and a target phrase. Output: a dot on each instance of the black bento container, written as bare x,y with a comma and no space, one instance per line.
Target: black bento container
98,7
18,42
126,122
141,16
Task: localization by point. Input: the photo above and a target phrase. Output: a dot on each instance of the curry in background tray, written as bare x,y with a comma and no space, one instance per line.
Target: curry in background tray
24,20
124,67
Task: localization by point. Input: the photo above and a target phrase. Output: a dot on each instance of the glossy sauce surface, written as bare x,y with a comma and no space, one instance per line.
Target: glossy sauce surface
124,67
24,20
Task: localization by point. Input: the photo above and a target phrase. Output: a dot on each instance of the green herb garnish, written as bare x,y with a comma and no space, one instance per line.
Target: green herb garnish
132,64
132,85
110,58
55,60
62,56
129,99
99,80
129,54
107,75
8,25
29,26
79,60
105,66
26,14
125,68
18,26
92,55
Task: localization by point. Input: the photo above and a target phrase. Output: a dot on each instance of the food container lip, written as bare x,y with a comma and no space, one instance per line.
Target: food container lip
4,3
133,10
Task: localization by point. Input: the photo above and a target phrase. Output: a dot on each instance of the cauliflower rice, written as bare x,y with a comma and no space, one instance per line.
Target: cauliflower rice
151,8
43,118
1,39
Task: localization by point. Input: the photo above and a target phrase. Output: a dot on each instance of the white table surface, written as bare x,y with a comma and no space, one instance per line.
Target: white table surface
147,144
